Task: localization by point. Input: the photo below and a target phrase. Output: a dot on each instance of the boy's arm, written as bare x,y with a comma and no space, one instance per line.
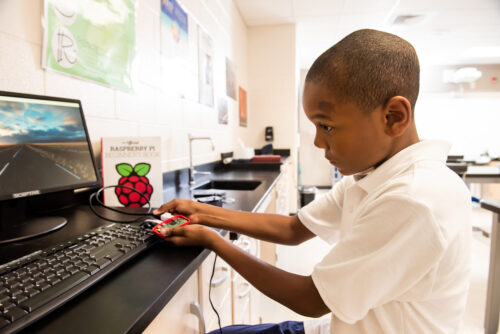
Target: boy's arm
296,292
287,230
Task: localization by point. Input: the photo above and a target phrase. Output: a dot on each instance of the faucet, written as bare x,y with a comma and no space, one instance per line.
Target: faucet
192,171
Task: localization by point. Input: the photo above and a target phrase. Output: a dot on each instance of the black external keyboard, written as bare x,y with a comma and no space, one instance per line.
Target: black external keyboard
38,283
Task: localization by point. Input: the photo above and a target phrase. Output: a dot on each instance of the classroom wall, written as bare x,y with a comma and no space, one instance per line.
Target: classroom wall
465,114
149,110
470,123
273,90
273,83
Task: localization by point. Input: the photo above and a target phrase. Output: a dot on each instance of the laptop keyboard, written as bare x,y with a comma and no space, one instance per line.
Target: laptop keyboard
36,284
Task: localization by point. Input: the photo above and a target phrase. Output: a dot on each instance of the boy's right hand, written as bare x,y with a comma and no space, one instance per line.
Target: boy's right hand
184,207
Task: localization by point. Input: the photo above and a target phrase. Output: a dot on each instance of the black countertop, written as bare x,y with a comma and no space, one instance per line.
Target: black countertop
128,299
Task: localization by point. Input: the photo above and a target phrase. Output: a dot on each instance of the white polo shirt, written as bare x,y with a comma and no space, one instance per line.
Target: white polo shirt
402,262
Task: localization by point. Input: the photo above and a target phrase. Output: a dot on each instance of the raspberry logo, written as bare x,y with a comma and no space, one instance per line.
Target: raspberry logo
133,177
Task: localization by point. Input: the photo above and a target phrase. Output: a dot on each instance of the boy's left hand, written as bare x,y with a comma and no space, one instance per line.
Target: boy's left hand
190,235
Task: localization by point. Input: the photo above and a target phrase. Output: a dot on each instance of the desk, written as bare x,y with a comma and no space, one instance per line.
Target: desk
493,292
129,298
482,174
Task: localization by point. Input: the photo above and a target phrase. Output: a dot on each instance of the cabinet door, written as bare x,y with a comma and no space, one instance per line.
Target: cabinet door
176,316
220,292
267,250
241,300
283,192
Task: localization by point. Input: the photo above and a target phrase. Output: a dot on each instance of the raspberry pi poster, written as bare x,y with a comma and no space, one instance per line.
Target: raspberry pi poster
134,165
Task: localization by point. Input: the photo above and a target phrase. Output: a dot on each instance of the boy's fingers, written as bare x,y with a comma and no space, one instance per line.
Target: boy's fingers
166,232
170,232
164,208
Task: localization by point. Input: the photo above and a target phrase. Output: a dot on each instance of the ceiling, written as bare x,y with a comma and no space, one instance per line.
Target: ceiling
443,32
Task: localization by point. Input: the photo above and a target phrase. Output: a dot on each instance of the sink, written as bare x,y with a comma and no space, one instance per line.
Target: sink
229,184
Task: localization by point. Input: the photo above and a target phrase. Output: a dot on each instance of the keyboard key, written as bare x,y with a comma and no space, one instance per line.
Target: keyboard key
15,292
14,284
49,274
21,272
31,267
76,246
91,270
36,273
3,322
53,280
31,292
28,285
39,280
43,267
72,270
88,247
101,263
43,286
19,299
44,297
14,313
9,277
114,256
6,305
64,275
26,279
78,263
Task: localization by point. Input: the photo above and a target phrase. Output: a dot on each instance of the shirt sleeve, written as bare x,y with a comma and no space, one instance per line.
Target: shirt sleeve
322,216
393,245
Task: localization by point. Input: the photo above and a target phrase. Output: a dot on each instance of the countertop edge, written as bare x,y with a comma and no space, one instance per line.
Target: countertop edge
492,205
268,190
150,314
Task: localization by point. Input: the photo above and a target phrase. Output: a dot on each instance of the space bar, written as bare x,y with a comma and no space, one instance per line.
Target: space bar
46,296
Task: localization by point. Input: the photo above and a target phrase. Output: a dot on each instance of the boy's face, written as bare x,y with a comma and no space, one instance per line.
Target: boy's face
353,140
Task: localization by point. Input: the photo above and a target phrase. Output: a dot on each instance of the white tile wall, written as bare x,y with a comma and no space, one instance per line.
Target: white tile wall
22,19
97,100
20,64
149,109
148,44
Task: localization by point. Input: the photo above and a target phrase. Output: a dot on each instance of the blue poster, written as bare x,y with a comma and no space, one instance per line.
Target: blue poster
174,47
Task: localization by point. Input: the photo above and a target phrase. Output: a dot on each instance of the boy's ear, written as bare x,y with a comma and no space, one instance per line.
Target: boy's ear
398,116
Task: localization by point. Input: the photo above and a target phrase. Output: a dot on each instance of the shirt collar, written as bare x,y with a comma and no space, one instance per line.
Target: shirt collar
436,150
360,175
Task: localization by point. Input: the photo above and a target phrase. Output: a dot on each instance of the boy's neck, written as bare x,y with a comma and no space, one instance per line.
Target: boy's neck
410,137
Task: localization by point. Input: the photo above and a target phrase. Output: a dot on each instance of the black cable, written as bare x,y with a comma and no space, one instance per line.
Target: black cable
96,196
209,294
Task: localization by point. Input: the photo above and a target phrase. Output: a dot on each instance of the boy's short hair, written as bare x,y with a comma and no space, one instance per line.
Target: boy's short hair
368,67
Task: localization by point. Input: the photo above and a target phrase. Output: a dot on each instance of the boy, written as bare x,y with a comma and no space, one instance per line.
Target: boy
401,264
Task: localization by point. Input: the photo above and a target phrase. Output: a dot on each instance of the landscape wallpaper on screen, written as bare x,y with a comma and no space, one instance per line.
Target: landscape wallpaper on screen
42,147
